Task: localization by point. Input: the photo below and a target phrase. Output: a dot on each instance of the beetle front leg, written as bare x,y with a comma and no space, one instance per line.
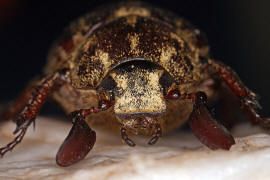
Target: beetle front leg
248,99
81,137
78,143
32,108
205,127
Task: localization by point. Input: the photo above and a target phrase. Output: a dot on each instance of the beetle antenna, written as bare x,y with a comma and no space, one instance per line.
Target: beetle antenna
156,136
125,137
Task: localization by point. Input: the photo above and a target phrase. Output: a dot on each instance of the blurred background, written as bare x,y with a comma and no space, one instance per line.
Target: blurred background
238,34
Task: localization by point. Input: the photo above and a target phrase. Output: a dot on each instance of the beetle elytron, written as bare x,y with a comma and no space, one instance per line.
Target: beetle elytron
136,69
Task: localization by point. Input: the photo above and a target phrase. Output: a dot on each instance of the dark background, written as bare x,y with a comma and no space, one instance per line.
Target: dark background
238,33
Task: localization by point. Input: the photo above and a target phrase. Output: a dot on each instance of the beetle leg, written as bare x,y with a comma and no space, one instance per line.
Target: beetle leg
156,136
81,137
210,132
248,99
78,143
17,105
13,143
32,108
36,101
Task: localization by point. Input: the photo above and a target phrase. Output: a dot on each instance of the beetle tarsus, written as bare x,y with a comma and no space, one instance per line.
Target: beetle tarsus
12,144
156,136
125,137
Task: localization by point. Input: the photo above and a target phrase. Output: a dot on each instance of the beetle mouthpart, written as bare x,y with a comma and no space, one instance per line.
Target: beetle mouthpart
156,136
125,137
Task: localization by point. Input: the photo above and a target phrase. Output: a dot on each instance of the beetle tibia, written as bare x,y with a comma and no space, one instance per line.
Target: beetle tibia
205,127
77,144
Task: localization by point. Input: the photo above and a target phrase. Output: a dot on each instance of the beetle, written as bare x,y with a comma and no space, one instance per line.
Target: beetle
133,68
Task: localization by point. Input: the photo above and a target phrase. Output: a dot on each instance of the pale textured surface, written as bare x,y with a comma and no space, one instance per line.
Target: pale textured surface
176,156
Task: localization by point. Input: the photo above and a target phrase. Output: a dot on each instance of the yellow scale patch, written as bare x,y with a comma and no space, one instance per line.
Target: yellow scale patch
125,11
147,98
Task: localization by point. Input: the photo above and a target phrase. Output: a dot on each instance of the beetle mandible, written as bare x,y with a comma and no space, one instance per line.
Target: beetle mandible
136,69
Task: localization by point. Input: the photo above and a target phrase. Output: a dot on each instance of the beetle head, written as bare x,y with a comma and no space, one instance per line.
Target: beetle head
138,93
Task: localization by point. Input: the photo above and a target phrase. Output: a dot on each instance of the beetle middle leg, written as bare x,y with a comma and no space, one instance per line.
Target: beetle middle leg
36,100
247,98
17,105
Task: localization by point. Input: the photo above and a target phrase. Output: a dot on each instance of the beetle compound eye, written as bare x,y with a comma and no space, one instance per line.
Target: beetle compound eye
166,81
174,94
108,84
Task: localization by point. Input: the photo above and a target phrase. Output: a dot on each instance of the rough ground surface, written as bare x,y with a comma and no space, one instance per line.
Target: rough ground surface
176,156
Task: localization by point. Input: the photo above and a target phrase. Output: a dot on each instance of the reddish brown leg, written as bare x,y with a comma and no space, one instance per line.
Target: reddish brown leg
12,144
224,101
81,137
247,98
32,108
211,133
18,104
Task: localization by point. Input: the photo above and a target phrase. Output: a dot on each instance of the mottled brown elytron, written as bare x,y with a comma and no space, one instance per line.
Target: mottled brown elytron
132,68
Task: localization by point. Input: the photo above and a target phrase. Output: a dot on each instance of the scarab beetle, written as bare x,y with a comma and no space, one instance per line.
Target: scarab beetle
133,68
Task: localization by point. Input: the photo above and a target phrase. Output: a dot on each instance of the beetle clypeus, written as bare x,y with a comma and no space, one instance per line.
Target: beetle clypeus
134,68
